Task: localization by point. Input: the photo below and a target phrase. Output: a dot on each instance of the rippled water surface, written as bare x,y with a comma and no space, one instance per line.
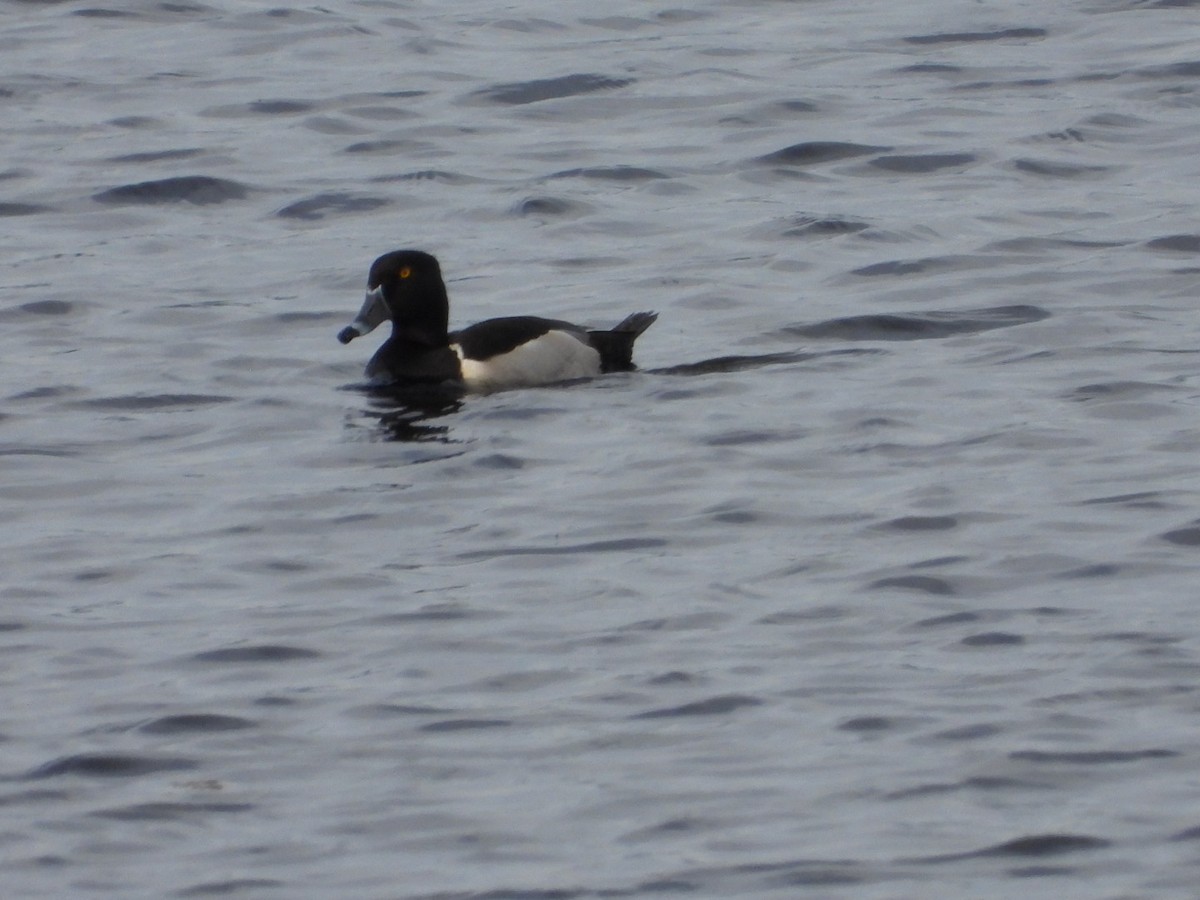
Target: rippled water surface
877,580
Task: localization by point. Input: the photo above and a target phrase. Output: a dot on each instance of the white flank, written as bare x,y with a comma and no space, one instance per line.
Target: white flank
555,356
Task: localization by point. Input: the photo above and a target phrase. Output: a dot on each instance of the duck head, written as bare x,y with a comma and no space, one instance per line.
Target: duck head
405,286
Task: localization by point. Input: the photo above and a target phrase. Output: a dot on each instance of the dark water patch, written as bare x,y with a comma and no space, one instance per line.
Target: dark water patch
38,308
1138,637
741,438
22,209
811,227
675,623
1176,243
612,173
438,612
586,262
111,765
1046,845
925,265
1091,757
518,894
389,147
666,827
917,326
1041,871
978,783
923,583
6,627
229,888
1017,83
281,107
199,190
50,392
800,106
792,617
1138,500
992,639
970,37
938,561
321,205
671,678
930,68
616,23
1049,169
811,153
734,517
725,364
548,206
149,402
424,175
157,155
818,876
168,812
1183,537
1099,570
1115,120
273,700
257,653
713,706
682,15
958,618
522,92
1188,834
501,462
1099,128
920,163
968,733
1189,69
95,575
921,523
406,411
134,122
731,364
186,8
20,798
195,722
620,545
1040,244
379,112
403,94
867,724
1031,846
100,13
390,710
1115,390
53,453
466,725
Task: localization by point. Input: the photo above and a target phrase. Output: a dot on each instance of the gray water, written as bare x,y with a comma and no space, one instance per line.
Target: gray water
877,581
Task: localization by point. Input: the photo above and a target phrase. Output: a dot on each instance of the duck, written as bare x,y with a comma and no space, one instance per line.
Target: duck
406,287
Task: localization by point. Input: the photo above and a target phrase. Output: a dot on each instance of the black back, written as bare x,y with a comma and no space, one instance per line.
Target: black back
495,337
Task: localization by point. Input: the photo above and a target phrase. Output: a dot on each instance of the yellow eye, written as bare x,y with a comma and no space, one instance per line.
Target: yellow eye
404,272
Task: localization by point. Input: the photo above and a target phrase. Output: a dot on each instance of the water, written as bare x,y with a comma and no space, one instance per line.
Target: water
876,581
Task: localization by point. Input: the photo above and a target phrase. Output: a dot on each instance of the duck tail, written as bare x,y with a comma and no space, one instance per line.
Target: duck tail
615,346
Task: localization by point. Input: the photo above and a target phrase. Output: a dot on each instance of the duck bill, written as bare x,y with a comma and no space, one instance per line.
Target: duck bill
374,312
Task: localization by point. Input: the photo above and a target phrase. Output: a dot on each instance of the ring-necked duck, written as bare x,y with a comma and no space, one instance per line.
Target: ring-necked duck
516,351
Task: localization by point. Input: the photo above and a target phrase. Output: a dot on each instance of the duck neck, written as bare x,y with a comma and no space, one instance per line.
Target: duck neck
425,324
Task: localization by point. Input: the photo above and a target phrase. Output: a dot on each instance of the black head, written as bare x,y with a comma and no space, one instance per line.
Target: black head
405,286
